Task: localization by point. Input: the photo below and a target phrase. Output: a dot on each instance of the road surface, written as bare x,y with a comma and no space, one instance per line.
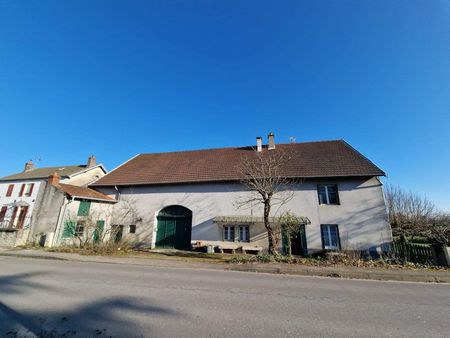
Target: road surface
97,299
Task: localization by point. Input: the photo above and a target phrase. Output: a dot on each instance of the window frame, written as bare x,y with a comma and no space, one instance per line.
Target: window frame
329,237
245,230
29,189
327,195
79,225
132,229
227,233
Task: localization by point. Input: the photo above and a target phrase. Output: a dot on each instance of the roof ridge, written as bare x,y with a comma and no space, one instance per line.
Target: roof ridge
231,147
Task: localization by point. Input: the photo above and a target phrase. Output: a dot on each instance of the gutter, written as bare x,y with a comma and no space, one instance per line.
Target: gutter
93,199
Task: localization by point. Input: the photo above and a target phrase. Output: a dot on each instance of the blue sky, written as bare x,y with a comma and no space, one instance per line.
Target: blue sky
117,78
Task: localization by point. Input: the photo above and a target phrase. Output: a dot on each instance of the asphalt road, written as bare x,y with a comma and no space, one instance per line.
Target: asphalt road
119,300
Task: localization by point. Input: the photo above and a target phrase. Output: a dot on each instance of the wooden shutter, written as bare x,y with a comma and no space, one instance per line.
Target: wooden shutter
322,235
3,213
31,189
10,190
84,207
69,229
22,189
22,215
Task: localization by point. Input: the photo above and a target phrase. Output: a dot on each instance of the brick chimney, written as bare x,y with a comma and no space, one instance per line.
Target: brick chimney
91,161
259,144
28,166
271,137
54,179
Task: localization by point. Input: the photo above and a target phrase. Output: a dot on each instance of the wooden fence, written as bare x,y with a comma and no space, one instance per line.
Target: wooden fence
413,252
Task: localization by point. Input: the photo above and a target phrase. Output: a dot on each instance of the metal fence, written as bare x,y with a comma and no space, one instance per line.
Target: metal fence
7,223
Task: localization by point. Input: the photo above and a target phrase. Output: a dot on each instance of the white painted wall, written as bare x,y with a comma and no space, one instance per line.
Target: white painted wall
361,215
98,211
15,198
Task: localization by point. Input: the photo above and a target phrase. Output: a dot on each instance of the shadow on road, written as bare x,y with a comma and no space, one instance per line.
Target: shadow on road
103,317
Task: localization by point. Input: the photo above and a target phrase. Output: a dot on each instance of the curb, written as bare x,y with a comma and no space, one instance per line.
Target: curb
369,275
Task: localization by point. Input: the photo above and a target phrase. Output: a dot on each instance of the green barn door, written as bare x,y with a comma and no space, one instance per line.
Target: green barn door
174,228
165,236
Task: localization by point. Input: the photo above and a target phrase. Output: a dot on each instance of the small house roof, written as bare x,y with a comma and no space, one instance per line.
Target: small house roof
84,193
43,173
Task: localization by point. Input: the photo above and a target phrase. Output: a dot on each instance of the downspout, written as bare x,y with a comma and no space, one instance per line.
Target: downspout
61,218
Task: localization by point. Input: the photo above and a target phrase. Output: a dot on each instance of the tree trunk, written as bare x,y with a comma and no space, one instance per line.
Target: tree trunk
272,249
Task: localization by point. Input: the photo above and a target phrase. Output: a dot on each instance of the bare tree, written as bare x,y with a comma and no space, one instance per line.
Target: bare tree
263,176
409,213
438,231
98,227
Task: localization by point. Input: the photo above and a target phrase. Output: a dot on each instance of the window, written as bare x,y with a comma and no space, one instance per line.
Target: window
79,230
3,213
29,189
132,228
83,209
328,194
244,233
13,217
330,236
10,190
228,233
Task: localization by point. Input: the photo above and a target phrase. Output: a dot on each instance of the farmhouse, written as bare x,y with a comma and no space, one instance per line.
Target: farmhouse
188,198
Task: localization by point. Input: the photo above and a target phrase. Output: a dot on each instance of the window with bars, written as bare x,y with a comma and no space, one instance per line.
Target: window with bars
328,194
330,236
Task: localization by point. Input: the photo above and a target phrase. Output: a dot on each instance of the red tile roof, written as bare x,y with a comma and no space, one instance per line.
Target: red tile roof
309,159
83,192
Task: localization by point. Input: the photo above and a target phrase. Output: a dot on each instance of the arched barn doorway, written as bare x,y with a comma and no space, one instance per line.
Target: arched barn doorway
174,228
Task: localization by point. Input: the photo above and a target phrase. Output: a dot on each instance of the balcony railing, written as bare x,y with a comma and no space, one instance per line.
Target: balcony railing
15,224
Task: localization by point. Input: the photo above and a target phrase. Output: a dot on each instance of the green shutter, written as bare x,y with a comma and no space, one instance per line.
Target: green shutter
69,229
98,230
83,209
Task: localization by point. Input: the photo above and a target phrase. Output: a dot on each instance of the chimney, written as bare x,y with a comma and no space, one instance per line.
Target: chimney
54,179
259,144
91,161
28,166
271,137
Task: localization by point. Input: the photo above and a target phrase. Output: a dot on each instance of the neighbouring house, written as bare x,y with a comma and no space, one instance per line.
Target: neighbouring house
189,198
70,215
22,194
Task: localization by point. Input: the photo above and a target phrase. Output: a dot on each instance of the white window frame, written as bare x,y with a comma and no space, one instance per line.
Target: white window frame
245,231
28,189
227,233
